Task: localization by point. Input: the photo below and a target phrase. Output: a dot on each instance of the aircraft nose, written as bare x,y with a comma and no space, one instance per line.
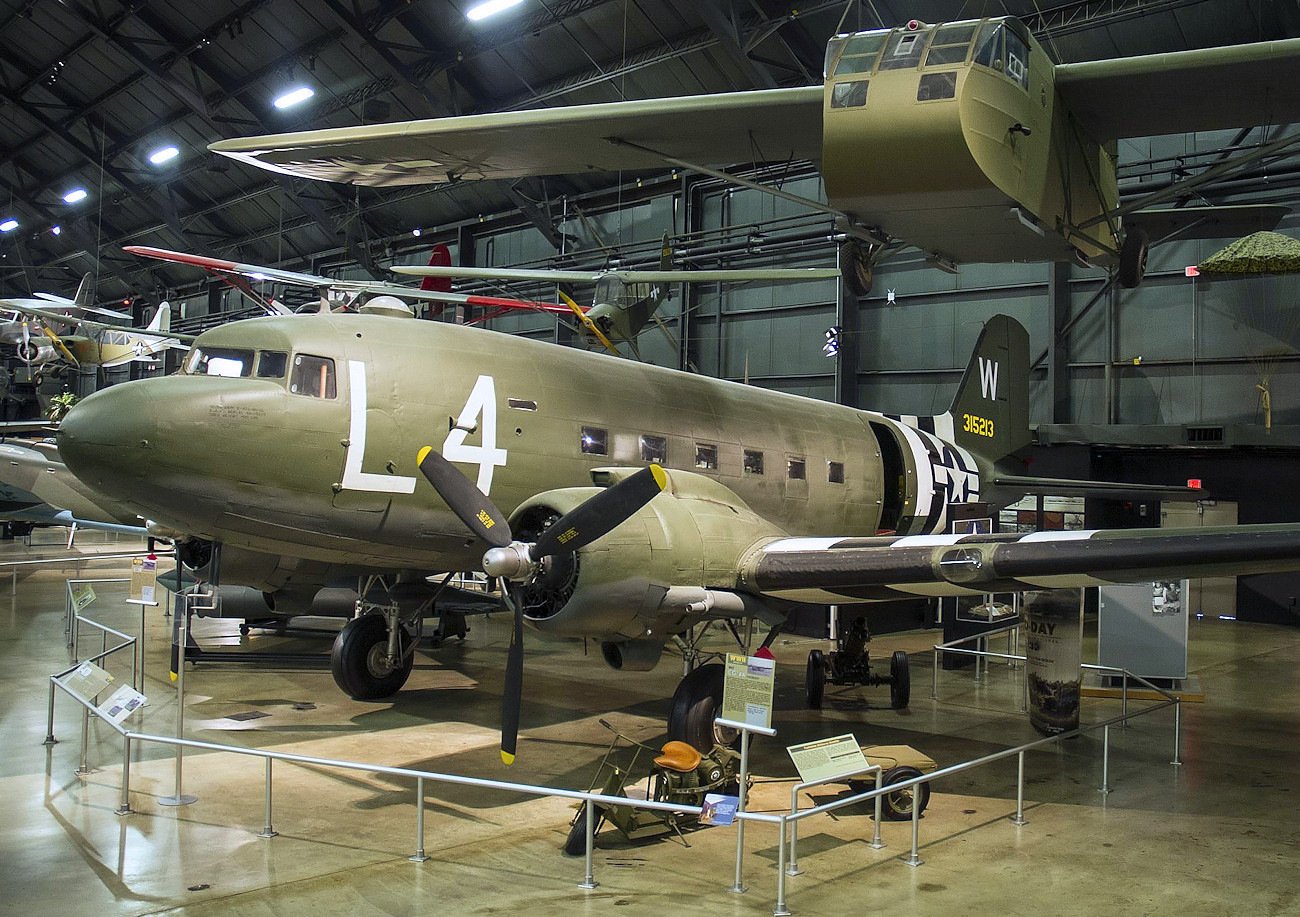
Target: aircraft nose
109,437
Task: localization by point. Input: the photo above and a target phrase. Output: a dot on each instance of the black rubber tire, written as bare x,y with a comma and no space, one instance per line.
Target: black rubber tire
815,679
575,845
897,806
1133,257
900,681
855,268
353,663
696,703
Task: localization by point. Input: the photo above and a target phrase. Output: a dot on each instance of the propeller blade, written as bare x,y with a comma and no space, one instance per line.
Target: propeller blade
513,691
466,501
602,513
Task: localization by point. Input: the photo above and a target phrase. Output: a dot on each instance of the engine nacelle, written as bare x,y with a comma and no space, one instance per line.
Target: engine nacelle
650,577
632,655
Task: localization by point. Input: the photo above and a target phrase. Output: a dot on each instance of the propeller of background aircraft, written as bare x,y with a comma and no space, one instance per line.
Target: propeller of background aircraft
516,561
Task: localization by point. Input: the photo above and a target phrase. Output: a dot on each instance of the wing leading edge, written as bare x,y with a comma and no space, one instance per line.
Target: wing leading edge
877,569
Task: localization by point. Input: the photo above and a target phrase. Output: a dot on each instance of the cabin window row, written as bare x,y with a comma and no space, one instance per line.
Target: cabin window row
595,441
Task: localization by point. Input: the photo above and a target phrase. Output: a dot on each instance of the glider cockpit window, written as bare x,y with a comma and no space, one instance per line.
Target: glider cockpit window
219,361
850,94
988,47
271,364
313,377
594,441
903,50
860,53
950,44
1017,55
654,449
1001,48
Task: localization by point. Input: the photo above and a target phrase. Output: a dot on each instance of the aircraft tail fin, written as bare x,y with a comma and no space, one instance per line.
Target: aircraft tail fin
85,291
162,319
990,413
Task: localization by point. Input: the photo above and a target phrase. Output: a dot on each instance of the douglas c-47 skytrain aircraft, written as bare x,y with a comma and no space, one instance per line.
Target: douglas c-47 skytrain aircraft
314,446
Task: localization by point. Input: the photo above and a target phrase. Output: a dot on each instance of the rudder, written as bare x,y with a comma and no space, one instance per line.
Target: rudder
990,413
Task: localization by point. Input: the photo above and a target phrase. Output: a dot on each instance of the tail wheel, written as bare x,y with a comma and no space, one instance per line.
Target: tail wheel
696,703
575,845
855,267
815,680
1133,256
359,659
897,805
900,681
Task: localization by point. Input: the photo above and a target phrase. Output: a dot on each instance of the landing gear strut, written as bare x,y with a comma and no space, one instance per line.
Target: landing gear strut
850,664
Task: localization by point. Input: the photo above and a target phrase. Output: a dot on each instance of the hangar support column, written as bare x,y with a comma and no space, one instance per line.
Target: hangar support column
1058,353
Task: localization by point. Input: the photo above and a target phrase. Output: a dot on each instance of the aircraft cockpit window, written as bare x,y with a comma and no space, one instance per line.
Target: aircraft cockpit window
219,361
988,47
903,50
1002,49
850,94
860,53
654,449
272,364
950,44
1017,57
313,377
594,441
706,456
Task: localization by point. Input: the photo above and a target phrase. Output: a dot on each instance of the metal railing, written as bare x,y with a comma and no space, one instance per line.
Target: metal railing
787,864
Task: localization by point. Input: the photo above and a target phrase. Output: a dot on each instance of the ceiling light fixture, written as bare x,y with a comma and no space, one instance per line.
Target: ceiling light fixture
9,225
489,8
75,195
294,96
56,229
158,157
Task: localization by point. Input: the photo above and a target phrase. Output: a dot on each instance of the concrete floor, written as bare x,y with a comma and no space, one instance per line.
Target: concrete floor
1219,835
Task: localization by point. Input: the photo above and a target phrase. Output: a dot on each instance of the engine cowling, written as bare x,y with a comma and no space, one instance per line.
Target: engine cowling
650,577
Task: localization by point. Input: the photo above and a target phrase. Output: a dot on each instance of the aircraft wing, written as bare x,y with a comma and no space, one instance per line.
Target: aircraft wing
873,569
54,316
1202,90
545,276
768,125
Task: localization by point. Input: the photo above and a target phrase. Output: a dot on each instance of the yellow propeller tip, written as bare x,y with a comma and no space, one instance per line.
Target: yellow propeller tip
660,476
507,759
173,675
419,458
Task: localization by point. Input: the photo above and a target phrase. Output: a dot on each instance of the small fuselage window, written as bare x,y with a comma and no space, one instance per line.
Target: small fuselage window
835,472
654,449
706,456
796,469
271,364
219,361
753,461
594,441
313,377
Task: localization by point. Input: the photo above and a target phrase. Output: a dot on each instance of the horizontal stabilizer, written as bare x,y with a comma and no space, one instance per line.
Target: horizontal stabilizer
1099,490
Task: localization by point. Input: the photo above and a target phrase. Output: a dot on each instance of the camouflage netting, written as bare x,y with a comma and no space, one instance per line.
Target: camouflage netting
1257,253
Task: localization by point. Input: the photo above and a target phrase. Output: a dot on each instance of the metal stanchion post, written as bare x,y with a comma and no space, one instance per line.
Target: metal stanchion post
179,798
82,768
589,881
140,648
914,858
125,807
979,642
780,910
739,885
1178,733
792,861
419,822
267,830
1105,760
1019,817
49,722
1124,701
934,677
876,842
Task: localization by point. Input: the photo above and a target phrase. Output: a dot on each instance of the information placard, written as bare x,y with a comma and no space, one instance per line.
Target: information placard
826,759
144,581
719,810
83,597
121,704
747,689
87,680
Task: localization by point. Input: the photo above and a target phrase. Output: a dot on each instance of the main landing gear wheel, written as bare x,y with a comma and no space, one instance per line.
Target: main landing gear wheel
897,806
815,680
575,845
900,681
696,703
855,267
358,659
1133,257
